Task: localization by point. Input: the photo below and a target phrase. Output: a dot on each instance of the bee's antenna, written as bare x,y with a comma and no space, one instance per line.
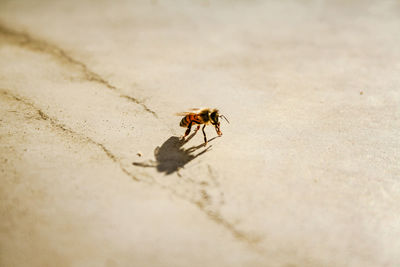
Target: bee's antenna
222,116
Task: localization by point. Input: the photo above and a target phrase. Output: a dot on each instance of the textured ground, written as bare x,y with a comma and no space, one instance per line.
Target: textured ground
92,170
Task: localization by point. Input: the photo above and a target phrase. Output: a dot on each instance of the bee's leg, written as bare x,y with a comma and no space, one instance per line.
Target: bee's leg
188,130
198,128
204,133
217,129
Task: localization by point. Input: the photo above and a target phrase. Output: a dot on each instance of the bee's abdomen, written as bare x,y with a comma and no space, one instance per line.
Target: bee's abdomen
188,119
184,122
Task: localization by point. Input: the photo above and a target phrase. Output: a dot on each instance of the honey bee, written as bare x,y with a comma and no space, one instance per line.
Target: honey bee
201,116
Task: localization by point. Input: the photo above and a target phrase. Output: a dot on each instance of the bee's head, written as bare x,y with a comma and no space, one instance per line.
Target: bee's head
214,117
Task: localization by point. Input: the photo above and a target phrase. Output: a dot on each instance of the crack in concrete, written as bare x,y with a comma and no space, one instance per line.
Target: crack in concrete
217,218
25,40
55,123
216,215
212,215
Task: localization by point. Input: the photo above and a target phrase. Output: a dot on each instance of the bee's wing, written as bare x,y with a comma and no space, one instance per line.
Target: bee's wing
193,111
183,113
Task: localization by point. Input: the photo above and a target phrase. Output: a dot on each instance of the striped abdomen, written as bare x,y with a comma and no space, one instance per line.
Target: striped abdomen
194,118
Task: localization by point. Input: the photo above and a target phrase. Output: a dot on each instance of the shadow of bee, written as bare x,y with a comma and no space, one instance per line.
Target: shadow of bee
171,156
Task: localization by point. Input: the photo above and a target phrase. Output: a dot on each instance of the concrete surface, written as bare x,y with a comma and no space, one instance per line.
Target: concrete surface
92,170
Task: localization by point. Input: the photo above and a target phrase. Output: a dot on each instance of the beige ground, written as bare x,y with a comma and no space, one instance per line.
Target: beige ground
306,174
